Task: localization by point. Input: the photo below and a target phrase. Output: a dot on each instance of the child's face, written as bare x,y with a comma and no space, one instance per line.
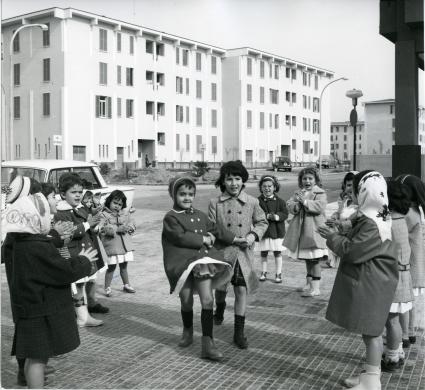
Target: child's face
267,188
349,187
185,196
116,205
73,195
308,181
51,199
87,201
233,184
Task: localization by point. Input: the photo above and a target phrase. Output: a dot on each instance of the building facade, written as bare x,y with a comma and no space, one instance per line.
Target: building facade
98,89
342,140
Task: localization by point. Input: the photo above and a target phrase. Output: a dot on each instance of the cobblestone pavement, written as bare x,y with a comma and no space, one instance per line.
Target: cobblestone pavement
291,345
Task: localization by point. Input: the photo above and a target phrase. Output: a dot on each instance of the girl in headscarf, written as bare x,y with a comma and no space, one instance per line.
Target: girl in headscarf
367,276
416,227
39,284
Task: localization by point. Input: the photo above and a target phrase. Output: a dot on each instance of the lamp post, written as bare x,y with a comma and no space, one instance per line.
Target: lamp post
320,120
11,103
354,94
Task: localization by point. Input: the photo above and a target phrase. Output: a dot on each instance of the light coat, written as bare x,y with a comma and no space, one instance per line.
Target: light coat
416,241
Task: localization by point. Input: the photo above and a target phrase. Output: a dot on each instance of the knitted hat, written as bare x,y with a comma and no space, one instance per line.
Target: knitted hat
178,181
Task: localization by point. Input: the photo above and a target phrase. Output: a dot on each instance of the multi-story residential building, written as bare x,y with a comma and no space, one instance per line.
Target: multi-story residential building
271,107
342,140
379,117
95,88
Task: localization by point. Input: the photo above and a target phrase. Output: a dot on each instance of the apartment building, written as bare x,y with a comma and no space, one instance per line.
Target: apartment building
99,89
271,107
342,140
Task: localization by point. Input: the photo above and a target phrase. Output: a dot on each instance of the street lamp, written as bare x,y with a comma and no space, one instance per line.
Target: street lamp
320,120
44,28
354,94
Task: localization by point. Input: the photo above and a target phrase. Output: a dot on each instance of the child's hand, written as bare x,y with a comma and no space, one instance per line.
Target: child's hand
130,229
240,241
207,241
299,196
212,238
250,239
324,231
64,228
93,220
107,230
90,253
331,222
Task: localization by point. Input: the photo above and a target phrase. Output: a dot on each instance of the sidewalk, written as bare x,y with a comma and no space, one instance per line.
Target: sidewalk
291,345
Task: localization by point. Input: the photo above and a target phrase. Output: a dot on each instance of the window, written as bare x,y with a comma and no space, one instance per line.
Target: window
129,76
198,61
304,124
119,107
160,49
288,120
288,96
214,92
306,147
199,143
177,142
16,74
187,142
261,120
46,69
187,114
187,86
276,72
103,39
198,89
129,108
161,138
16,107
276,121
305,78
391,109
345,137
294,144
149,76
131,45
294,97
46,104
332,138
294,121
316,82
393,123
103,107
270,120
345,129
179,114
198,116
316,105
262,69
249,119
316,125
118,41
185,57
46,36
270,70
103,73
15,42
274,96
249,93
316,147
213,65
177,55
119,74
214,118
160,79
214,144
179,85
249,66
288,73
262,95
304,101
345,146
149,47
293,74
79,154
160,109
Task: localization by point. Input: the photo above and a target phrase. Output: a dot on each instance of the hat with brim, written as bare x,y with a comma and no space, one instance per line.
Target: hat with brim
19,187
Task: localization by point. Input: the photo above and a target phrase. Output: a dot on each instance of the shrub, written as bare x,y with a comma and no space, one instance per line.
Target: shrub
104,169
200,168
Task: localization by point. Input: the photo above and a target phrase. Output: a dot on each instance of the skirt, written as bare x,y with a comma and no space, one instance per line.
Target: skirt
118,259
400,307
270,244
309,254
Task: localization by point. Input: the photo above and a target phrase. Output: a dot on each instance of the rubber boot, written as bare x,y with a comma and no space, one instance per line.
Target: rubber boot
187,337
209,350
239,338
84,318
307,286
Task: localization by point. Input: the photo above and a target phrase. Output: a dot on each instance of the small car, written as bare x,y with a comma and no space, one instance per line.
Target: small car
51,170
283,163
327,162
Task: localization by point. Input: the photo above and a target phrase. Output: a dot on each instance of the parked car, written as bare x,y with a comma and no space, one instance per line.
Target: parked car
327,162
51,171
283,163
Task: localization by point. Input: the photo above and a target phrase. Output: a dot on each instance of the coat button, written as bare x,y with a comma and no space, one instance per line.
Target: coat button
240,225
198,219
206,251
191,220
229,211
239,212
229,224
196,231
201,230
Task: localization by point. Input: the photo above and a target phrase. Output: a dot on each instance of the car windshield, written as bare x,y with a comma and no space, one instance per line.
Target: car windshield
86,174
9,173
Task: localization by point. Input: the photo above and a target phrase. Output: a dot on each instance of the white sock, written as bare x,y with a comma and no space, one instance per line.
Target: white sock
278,260
264,263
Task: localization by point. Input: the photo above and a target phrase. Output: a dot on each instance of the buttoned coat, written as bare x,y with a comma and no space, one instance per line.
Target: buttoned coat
366,279
417,256
240,215
274,205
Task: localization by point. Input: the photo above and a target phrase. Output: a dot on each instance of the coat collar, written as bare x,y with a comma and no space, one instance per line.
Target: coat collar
317,190
243,197
63,205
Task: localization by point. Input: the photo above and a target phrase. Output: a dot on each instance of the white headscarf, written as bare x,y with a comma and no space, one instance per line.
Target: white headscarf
28,214
373,202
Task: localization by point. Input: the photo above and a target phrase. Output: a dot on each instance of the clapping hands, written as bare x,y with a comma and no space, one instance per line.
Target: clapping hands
64,229
300,197
93,220
324,231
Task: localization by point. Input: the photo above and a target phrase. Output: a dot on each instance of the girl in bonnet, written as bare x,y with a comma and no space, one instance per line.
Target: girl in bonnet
367,277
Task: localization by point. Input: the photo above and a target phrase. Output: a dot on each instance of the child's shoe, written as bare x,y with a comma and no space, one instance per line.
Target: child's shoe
314,291
307,285
412,339
209,350
388,365
84,318
187,337
128,289
278,278
406,343
108,291
98,308
263,276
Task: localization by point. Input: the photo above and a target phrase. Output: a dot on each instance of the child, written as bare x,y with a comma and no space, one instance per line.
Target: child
71,209
91,203
340,218
399,203
115,229
276,214
191,262
39,283
368,275
242,215
415,226
302,239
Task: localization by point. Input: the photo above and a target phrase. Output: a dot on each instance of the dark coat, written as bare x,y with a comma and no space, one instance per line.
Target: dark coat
40,294
366,279
274,205
182,242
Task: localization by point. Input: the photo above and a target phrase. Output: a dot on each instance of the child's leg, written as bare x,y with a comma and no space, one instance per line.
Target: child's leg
124,273
278,261
264,260
220,305
308,278
186,301
404,319
314,269
373,349
240,300
34,372
412,319
240,309
109,274
392,355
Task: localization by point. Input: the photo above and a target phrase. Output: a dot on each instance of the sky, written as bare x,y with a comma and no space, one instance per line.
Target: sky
338,35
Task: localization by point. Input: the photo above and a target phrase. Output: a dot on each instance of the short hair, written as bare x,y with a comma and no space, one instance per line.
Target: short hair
309,171
68,180
348,177
234,168
116,194
47,189
398,197
35,186
178,181
269,178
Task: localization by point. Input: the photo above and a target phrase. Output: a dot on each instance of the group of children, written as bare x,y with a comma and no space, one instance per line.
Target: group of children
376,236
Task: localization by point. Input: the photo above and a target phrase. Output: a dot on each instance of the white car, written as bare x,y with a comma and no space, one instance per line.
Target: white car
51,170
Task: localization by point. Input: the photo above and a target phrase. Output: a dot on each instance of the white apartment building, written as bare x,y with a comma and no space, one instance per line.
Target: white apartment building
105,90
271,107
342,140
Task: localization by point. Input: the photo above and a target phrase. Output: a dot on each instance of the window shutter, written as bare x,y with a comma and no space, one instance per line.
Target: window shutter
109,107
97,106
